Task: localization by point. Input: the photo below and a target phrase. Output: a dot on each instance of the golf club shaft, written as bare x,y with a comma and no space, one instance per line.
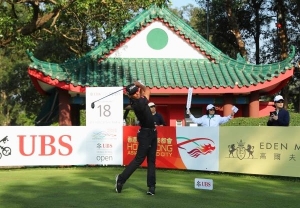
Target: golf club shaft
93,103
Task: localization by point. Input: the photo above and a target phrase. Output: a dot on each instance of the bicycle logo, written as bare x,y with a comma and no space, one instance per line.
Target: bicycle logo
6,151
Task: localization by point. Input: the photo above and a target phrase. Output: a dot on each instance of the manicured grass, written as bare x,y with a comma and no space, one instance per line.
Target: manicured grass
88,187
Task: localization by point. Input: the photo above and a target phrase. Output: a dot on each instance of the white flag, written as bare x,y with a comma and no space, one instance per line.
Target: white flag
234,109
189,98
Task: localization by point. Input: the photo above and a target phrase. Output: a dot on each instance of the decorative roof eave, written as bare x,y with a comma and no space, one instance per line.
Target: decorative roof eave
225,90
37,75
277,88
37,85
240,62
34,74
162,73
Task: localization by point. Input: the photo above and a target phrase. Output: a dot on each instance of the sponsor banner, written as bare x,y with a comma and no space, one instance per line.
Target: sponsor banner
167,155
199,147
250,150
178,147
64,145
104,145
260,150
104,117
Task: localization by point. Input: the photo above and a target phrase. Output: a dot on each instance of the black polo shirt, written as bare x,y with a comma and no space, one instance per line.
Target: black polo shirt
142,112
158,119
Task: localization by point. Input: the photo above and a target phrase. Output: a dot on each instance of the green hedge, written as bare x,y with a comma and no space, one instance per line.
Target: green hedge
294,121
242,121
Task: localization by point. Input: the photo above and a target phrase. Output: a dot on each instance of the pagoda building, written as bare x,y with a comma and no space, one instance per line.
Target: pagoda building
169,57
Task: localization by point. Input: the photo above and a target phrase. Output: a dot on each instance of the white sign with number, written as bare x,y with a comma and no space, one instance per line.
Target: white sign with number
104,106
104,116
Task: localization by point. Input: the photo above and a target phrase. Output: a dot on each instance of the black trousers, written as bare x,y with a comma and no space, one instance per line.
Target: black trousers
147,139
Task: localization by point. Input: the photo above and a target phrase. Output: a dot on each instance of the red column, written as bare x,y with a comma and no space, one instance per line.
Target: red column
228,101
254,105
64,108
75,115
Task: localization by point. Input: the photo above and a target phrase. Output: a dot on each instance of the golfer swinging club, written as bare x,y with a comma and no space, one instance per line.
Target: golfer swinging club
146,137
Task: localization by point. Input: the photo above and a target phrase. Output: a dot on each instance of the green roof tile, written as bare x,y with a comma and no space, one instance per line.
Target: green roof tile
161,73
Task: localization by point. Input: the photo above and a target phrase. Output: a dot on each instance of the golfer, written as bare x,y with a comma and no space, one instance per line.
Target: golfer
146,136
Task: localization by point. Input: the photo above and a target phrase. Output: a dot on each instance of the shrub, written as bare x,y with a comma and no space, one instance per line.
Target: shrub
243,121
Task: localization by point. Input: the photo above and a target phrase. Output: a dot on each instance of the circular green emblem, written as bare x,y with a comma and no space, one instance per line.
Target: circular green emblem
157,39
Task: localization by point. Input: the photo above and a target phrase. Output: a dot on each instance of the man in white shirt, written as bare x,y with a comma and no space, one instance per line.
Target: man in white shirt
210,119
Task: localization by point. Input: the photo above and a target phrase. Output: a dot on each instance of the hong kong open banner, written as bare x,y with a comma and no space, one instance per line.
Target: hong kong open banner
167,155
178,147
34,146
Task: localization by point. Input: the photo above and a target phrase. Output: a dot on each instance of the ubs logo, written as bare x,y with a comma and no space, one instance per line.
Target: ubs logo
6,151
241,151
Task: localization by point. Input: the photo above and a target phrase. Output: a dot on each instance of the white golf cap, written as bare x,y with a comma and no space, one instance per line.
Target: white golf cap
151,104
277,98
210,106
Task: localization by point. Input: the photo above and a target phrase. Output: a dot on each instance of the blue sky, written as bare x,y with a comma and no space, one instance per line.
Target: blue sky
180,3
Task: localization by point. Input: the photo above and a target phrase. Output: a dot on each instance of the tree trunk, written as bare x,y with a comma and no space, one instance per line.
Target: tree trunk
235,29
283,40
281,25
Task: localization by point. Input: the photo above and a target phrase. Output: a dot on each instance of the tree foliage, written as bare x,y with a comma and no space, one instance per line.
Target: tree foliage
79,24
56,30
19,100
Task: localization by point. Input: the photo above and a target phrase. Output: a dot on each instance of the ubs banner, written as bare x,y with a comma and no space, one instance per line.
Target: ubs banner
64,145
260,150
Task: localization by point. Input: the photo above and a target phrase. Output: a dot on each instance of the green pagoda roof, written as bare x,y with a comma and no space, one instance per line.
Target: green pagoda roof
216,70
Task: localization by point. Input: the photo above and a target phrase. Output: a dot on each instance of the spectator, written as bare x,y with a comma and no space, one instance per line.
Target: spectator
210,119
157,117
279,117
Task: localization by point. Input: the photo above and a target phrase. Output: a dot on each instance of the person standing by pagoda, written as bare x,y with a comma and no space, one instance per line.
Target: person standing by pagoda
210,119
158,118
279,117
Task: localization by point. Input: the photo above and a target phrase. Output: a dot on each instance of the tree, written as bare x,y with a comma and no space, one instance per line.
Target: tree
55,31
80,23
19,100
232,21
272,26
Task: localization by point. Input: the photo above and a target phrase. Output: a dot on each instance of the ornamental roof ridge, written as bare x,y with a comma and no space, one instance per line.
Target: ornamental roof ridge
155,13
218,71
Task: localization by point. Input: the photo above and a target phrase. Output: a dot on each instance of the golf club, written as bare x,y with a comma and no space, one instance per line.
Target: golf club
93,103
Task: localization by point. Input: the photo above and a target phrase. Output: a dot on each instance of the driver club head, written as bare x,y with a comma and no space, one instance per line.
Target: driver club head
93,105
